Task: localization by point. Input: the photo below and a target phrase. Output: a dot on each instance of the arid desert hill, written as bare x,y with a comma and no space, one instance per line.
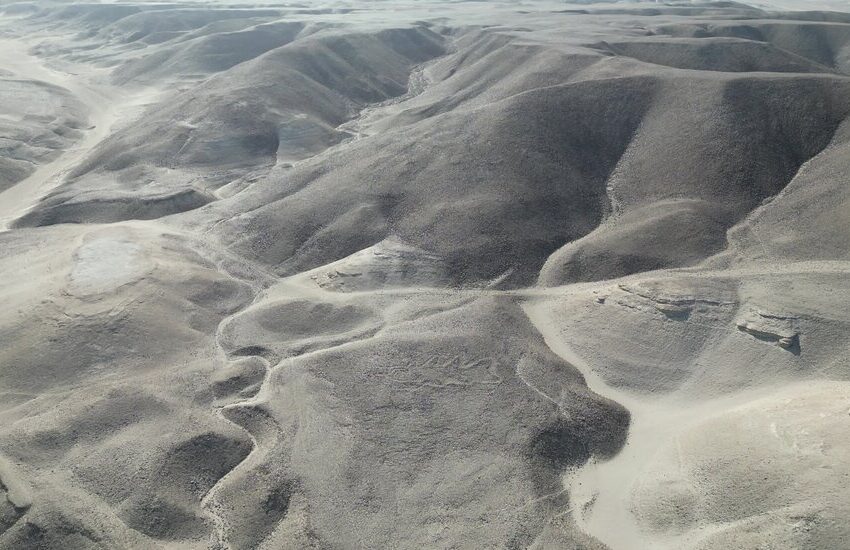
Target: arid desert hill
422,274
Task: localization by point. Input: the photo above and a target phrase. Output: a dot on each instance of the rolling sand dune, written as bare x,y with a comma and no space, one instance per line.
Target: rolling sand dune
424,275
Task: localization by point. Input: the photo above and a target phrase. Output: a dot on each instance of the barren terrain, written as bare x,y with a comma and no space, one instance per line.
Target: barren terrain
424,274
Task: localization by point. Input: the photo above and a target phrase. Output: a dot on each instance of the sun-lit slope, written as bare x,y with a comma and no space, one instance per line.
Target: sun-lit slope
101,30
156,44
726,147
38,120
723,447
808,220
108,342
360,329
785,458
710,152
283,106
529,176
826,43
201,54
482,67
449,427
177,23
726,54
662,151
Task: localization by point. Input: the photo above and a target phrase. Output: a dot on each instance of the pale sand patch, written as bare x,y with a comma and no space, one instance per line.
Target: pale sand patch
681,477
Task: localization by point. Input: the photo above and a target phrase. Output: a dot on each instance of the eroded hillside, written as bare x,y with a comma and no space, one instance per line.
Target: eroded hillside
426,274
